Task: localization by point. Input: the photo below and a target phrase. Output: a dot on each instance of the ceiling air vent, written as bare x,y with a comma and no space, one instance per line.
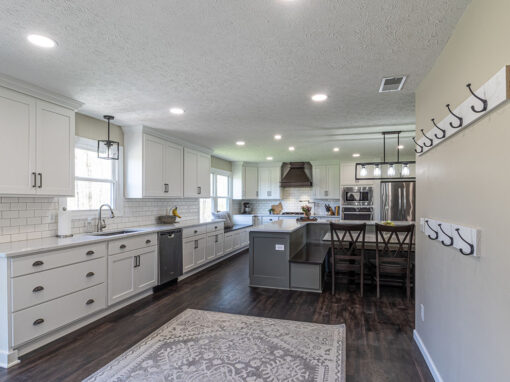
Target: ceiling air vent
392,84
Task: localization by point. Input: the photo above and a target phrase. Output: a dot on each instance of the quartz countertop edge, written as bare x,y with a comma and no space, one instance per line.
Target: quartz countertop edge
27,247
290,225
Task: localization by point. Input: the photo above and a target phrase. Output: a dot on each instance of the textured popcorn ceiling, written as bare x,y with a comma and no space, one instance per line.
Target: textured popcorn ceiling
242,69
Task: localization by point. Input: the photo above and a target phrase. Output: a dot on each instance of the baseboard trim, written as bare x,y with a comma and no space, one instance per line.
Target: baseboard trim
8,359
428,358
207,265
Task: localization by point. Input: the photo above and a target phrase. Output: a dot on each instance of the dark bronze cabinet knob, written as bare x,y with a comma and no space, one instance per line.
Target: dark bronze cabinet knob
38,289
37,263
90,274
90,301
147,241
89,253
122,246
39,321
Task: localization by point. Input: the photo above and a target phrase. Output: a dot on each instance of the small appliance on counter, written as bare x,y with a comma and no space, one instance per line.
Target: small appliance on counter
246,208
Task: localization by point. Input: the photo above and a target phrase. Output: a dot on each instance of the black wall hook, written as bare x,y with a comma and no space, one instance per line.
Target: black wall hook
483,101
461,121
471,246
437,127
431,142
420,146
437,233
448,236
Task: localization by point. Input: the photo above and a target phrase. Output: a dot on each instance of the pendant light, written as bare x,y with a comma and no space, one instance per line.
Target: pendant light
405,170
363,171
377,170
108,149
391,170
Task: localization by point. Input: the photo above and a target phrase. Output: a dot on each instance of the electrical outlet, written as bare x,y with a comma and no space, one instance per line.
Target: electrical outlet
422,312
279,247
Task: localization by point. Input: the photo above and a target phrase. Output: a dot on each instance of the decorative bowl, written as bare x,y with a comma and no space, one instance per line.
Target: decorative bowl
167,219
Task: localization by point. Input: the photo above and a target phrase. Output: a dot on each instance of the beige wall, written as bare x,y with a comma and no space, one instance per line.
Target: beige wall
92,128
465,180
221,164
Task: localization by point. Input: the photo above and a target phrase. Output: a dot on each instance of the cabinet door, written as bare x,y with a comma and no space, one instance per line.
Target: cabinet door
320,181
251,184
121,277
347,176
245,238
264,182
190,173
333,175
173,170
210,249
228,243
17,125
236,240
204,175
146,271
54,149
153,166
188,254
275,183
199,252
218,245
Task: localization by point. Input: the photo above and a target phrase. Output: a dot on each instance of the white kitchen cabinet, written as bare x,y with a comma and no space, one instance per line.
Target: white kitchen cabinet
146,272
269,182
197,172
41,162
245,237
228,243
199,253
214,245
218,245
153,166
245,181
326,181
194,252
269,219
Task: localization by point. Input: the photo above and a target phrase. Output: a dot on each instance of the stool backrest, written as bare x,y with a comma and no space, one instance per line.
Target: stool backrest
347,239
397,241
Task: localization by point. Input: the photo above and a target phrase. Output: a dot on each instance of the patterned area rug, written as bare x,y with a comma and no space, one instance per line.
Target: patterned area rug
208,346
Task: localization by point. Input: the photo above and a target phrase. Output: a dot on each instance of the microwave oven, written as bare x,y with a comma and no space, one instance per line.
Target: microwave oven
357,196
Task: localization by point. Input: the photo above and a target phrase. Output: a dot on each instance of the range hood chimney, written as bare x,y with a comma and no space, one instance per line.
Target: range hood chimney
296,174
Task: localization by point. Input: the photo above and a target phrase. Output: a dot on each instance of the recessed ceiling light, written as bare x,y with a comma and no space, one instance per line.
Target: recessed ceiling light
240,143
269,158
356,155
277,137
291,148
400,147
336,149
41,41
319,97
177,110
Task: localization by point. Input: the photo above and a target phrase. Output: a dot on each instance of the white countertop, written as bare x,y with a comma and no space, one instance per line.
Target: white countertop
19,248
291,225
288,215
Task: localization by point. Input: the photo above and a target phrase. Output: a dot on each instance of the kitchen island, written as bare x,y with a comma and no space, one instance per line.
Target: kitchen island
288,254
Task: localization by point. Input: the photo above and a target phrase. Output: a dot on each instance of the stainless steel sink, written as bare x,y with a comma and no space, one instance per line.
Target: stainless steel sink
114,233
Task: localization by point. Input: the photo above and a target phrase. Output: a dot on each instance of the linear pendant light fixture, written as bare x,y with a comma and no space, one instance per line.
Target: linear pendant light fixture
108,149
385,170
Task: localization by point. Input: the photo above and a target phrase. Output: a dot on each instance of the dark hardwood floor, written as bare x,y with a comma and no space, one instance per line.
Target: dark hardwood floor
380,346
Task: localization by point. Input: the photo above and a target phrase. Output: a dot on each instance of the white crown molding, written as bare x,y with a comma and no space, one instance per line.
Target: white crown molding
38,92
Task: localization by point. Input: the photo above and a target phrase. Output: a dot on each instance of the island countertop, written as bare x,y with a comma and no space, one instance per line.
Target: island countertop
291,225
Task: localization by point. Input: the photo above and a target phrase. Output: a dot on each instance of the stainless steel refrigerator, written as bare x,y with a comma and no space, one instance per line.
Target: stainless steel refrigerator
398,201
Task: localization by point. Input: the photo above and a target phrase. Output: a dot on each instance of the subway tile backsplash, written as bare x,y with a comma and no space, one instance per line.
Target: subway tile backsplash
27,218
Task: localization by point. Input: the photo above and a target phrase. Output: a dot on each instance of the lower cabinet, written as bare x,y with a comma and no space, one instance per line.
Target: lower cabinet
228,244
214,245
193,252
131,272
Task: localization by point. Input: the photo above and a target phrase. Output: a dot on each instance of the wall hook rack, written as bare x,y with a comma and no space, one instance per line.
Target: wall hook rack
448,236
483,101
443,131
420,146
433,230
471,246
431,142
461,121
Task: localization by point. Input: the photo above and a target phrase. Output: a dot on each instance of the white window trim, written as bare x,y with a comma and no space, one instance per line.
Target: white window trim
214,198
91,144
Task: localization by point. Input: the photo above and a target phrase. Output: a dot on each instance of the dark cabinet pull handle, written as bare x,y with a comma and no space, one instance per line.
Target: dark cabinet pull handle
195,231
90,253
90,274
40,180
37,263
38,289
34,182
90,301
122,246
215,227
39,321
147,241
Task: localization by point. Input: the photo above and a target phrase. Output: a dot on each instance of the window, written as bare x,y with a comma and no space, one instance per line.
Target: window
221,194
96,180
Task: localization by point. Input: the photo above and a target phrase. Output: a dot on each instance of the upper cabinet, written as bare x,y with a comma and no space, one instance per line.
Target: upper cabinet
37,146
326,181
245,182
197,174
153,166
269,182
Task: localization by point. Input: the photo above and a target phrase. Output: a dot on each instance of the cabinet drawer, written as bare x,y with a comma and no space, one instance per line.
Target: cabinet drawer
131,243
34,289
193,231
41,319
48,260
215,227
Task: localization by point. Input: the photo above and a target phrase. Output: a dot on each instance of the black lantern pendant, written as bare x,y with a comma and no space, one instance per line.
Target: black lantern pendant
108,149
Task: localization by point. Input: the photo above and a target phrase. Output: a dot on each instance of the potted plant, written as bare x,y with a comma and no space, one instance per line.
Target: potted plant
307,210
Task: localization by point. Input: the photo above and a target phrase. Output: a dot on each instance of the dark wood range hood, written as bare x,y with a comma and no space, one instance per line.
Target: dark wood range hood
296,174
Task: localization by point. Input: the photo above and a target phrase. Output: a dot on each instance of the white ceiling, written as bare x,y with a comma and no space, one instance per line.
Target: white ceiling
242,70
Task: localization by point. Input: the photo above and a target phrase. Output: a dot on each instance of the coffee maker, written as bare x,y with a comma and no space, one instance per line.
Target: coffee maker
246,208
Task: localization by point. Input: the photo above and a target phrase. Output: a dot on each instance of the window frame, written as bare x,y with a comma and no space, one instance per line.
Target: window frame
214,198
117,180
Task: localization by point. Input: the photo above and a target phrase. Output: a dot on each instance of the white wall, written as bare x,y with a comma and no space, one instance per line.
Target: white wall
465,180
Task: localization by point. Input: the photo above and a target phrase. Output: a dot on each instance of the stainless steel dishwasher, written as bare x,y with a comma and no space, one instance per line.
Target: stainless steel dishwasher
170,255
